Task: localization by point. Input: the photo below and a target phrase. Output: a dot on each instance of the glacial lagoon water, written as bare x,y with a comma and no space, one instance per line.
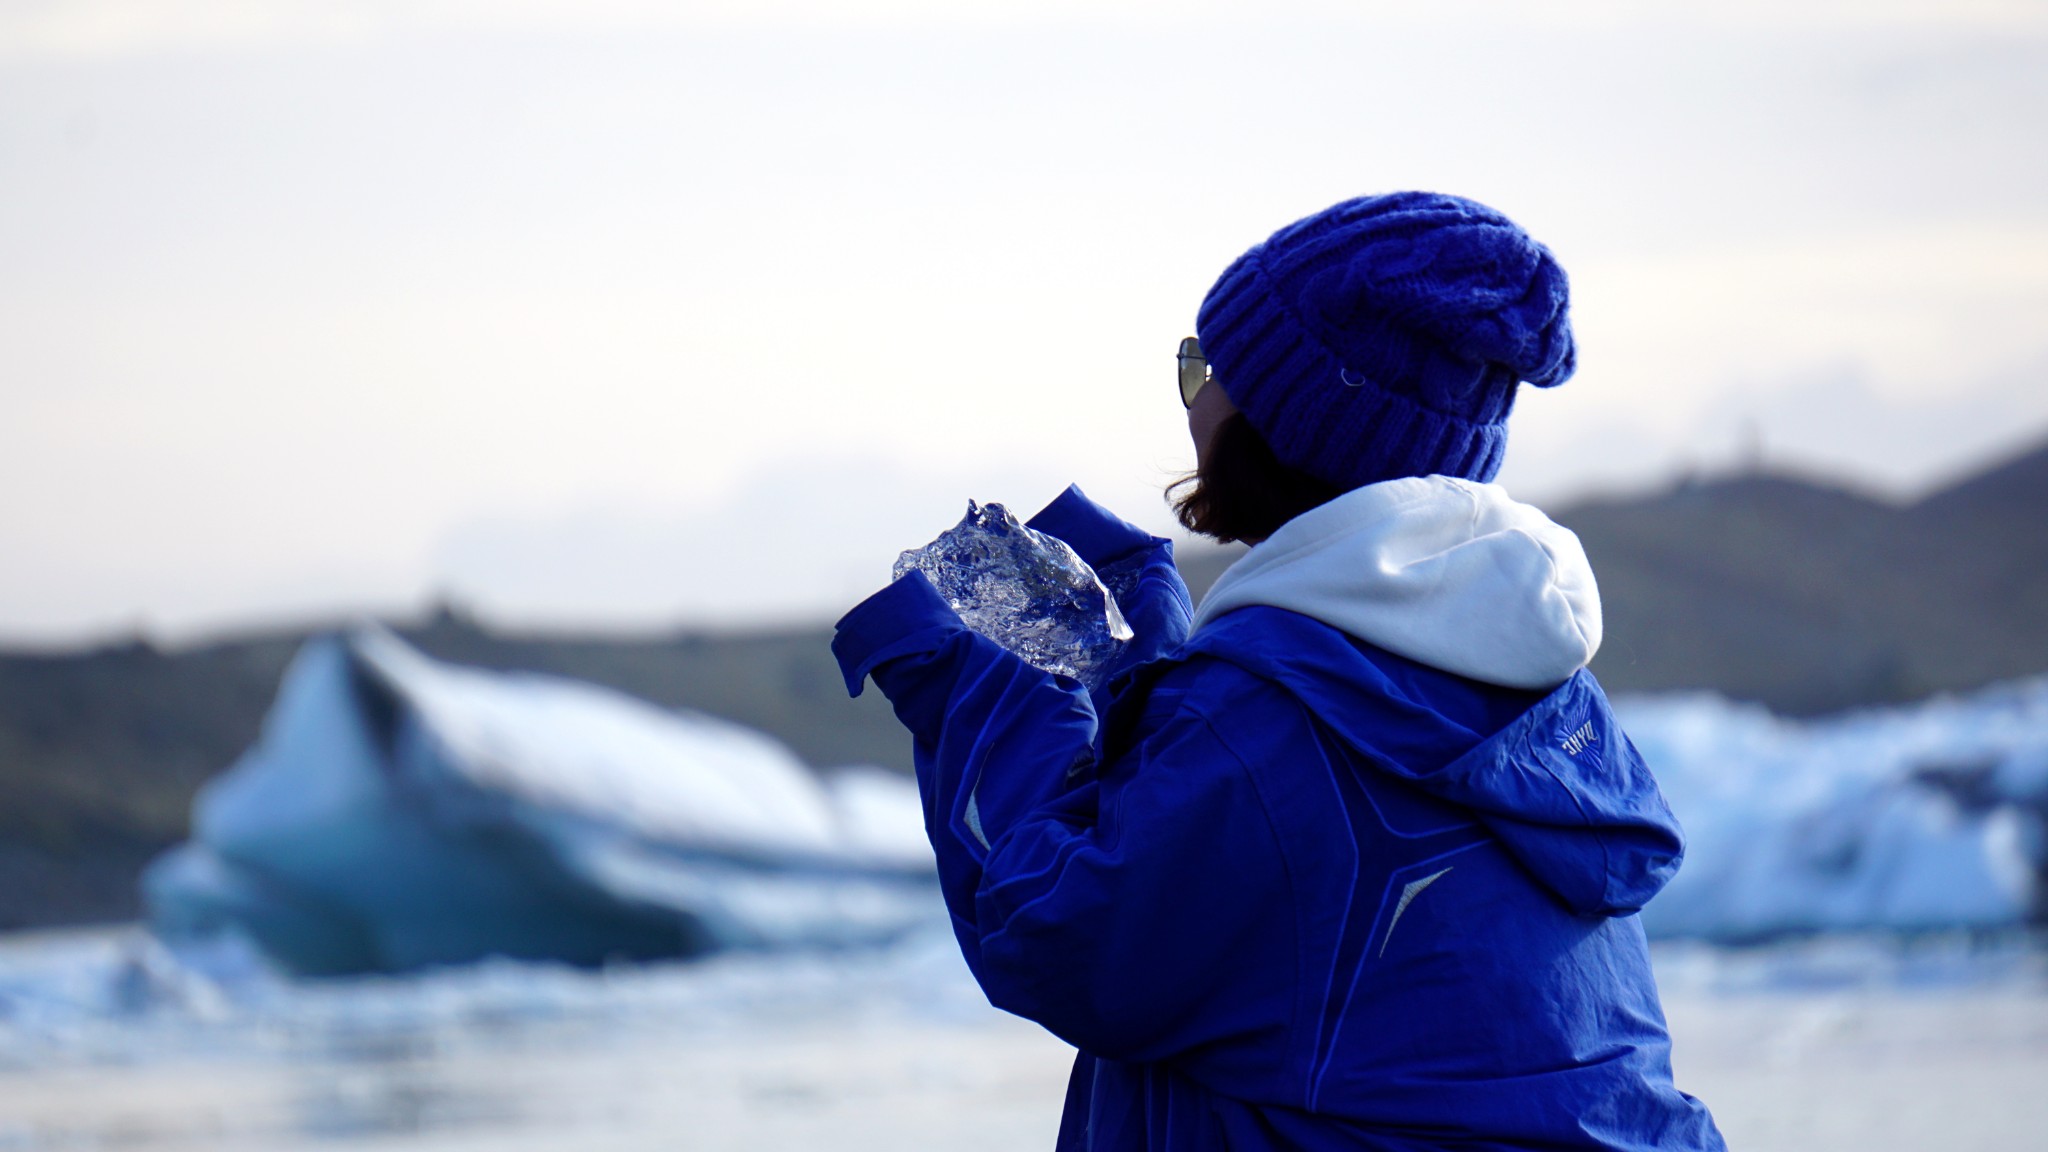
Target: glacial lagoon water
108,1041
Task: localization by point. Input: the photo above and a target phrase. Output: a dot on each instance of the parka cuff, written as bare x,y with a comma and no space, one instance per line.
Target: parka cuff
1096,534
907,616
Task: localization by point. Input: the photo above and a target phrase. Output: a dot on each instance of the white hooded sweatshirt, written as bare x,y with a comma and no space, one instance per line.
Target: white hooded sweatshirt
1447,572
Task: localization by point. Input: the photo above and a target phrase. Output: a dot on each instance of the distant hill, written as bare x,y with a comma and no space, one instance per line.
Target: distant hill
1806,597
1768,588
1811,599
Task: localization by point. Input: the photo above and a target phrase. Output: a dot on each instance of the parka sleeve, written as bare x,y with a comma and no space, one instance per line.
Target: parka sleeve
1151,916
1137,566
994,738
1129,907
966,701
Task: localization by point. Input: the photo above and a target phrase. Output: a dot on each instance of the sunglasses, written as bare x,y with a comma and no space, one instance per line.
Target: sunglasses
1194,371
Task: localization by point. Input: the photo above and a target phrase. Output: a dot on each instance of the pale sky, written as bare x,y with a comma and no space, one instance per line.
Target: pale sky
629,315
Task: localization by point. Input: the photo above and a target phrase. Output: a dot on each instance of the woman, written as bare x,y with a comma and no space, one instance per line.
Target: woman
1348,860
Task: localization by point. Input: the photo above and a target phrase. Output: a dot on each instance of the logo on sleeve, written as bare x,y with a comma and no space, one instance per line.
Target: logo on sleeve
1582,738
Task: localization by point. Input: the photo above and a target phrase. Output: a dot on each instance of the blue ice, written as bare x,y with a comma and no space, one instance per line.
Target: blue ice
398,813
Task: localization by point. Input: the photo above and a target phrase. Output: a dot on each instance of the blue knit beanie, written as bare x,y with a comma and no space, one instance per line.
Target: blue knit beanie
1385,337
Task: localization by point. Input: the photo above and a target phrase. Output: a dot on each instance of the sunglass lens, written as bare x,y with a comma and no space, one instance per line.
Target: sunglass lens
1194,370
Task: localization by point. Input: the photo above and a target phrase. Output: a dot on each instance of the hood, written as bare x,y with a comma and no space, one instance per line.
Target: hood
1447,572
1556,782
1569,797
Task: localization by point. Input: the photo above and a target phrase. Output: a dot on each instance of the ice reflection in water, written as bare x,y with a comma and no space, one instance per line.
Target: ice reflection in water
393,1091
105,1041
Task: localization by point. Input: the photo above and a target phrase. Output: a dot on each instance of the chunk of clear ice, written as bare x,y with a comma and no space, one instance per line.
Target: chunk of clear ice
1025,590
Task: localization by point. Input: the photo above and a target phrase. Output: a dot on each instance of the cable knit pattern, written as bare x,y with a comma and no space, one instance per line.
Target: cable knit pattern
1385,336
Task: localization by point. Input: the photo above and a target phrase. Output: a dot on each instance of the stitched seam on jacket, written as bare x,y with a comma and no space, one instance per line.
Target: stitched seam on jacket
1326,1025
1295,1023
1323,1067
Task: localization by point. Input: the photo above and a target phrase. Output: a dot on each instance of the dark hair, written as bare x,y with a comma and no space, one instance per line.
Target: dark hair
1242,491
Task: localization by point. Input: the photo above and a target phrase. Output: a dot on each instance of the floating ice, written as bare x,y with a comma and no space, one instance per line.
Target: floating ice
1924,817
398,813
1025,590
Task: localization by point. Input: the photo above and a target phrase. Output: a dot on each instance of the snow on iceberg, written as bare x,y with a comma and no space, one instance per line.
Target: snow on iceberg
1922,817
398,813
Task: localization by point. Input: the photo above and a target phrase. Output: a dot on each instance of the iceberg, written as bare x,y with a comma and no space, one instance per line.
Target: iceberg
1925,817
399,813
1027,591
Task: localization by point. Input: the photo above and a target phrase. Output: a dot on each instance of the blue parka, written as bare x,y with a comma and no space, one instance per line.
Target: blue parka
1285,889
